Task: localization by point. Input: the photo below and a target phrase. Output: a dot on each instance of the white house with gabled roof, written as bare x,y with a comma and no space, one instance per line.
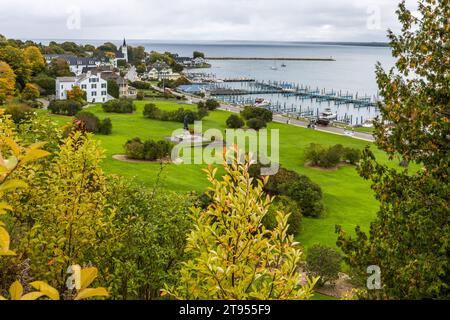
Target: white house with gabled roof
95,87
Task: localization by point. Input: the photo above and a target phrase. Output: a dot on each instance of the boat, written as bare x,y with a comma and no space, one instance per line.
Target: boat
261,102
327,114
368,124
283,65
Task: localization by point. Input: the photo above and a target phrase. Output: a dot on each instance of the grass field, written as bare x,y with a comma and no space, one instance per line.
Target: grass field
348,199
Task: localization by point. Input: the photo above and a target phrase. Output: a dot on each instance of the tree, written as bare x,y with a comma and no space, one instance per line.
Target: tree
47,84
113,89
409,240
66,206
15,58
30,92
35,59
212,104
256,124
198,54
232,256
7,81
59,68
76,94
235,122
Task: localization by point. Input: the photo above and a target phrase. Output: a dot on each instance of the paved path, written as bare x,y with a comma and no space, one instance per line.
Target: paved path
45,103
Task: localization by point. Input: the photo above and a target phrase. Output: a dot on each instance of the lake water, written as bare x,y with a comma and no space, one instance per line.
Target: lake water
352,72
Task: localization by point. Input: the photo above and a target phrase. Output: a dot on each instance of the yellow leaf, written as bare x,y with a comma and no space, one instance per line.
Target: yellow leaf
11,185
32,155
16,291
4,206
90,292
11,144
88,276
46,289
4,240
32,296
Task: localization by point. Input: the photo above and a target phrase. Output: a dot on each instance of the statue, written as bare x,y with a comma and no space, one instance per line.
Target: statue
186,122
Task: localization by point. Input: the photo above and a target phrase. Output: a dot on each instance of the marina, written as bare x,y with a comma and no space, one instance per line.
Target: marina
292,99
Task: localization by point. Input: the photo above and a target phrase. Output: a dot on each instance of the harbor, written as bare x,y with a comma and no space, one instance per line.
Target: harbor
291,99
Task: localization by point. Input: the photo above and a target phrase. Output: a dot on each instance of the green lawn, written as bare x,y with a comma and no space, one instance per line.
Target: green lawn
348,199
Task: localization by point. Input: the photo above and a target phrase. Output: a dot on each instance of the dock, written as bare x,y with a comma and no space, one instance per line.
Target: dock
301,92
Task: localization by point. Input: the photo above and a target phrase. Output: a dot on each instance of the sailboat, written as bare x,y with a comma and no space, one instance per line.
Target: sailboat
274,67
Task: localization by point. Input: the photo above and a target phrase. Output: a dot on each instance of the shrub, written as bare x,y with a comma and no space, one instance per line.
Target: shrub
323,262
65,107
122,105
19,112
134,149
314,154
149,150
258,113
140,95
141,85
35,104
235,122
212,104
151,111
91,122
332,157
352,155
256,124
307,194
286,205
319,156
105,126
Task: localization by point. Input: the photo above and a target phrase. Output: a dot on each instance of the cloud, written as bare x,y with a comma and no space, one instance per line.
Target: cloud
278,20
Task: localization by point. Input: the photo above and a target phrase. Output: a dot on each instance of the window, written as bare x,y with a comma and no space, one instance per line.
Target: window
103,85
93,86
94,93
83,86
104,93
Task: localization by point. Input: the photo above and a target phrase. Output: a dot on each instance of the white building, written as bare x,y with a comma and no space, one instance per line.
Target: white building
76,64
122,54
165,73
95,87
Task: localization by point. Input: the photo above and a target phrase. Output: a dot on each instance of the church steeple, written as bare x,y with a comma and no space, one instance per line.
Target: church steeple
124,43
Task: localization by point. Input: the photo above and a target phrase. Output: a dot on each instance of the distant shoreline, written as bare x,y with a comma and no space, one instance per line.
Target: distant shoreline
225,42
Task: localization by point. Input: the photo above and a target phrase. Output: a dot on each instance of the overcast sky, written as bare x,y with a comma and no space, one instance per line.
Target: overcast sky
272,20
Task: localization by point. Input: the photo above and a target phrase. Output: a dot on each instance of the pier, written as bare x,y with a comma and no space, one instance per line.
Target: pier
302,92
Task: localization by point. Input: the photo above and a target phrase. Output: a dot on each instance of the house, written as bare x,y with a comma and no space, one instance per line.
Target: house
198,61
95,87
76,64
124,90
166,74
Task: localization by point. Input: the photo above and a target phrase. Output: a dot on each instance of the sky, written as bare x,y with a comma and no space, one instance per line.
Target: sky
257,20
